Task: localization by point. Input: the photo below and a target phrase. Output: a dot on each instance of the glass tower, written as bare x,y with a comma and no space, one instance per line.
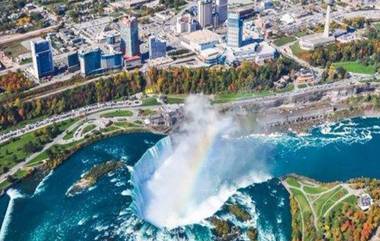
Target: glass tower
157,48
42,57
235,29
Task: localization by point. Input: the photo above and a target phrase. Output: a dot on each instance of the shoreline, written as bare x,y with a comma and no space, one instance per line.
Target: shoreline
284,115
45,167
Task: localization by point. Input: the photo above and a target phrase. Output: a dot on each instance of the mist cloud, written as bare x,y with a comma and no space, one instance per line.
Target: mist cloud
188,176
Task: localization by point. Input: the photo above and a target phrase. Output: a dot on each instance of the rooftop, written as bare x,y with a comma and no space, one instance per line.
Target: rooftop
202,36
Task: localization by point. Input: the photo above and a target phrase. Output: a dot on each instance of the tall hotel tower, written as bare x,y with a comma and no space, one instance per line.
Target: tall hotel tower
234,29
205,12
42,57
222,9
129,32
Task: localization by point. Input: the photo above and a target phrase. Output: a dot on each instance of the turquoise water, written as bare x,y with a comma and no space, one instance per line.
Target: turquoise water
333,152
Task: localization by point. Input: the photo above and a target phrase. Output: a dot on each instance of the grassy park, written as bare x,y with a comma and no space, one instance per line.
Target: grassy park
117,113
284,40
17,150
317,203
356,67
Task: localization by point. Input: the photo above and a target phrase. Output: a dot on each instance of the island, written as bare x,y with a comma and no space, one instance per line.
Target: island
92,176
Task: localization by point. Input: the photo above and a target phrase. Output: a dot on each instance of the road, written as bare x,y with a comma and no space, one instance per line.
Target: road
67,87
18,37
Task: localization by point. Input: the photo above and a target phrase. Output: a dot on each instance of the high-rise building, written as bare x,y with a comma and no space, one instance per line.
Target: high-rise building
42,57
186,24
157,48
129,32
235,29
222,10
204,12
73,61
95,61
326,31
111,61
90,61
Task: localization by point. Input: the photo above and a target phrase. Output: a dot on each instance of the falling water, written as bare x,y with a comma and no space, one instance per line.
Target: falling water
187,177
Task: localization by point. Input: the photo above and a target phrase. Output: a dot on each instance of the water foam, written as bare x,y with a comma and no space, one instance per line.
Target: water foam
13,195
42,185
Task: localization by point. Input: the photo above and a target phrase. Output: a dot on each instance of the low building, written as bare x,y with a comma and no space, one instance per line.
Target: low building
365,201
247,52
266,4
304,76
348,37
282,82
200,40
265,53
211,56
287,19
310,42
160,62
132,62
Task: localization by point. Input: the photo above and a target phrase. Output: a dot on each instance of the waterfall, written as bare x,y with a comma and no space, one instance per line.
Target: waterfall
188,176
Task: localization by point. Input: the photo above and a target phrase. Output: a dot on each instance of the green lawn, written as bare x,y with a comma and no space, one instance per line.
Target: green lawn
356,67
292,181
301,200
41,157
338,195
13,152
301,34
296,49
377,26
110,128
176,99
227,97
147,112
322,203
315,190
284,40
150,101
88,128
118,113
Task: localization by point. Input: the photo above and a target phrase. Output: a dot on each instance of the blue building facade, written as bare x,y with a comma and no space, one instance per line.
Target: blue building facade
90,61
235,29
94,61
42,57
73,61
112,61
157,48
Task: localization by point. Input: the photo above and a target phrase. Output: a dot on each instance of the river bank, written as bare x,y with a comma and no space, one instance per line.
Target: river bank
288,117
45,166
